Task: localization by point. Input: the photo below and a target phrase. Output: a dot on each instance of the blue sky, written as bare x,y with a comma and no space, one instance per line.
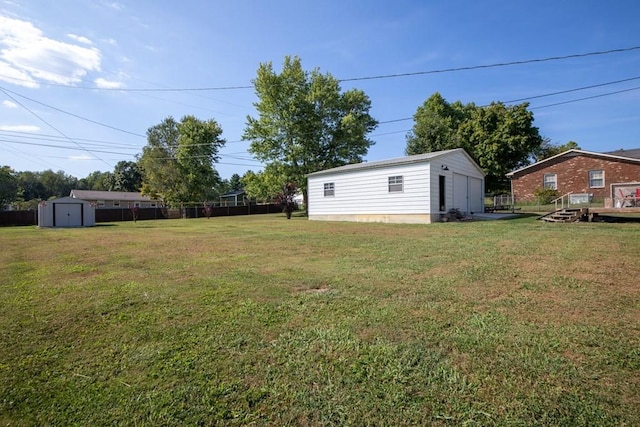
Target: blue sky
69,58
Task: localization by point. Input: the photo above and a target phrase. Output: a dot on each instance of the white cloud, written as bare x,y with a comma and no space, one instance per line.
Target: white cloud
80,39
113,5
81,157
19,128
13,75
9,104
108,84
26,55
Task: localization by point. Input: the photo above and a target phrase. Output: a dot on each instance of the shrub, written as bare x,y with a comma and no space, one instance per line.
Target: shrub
545,195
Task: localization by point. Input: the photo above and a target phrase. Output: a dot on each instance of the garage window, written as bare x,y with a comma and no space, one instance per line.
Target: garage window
329,189
395,184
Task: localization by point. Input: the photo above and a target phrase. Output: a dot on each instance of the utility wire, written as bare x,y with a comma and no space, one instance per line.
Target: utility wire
70,114
548,94
51,126
378,77
499,64
588,97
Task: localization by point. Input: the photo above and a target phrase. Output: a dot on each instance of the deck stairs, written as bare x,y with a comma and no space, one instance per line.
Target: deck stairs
568,215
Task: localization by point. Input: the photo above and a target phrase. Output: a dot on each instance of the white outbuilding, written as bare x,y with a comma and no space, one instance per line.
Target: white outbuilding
66,212
412,189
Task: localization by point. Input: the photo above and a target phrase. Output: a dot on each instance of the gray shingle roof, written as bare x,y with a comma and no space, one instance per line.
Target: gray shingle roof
122,196
632,152
382,163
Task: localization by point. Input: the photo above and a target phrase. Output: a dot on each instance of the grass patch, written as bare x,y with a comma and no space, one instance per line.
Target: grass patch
260,320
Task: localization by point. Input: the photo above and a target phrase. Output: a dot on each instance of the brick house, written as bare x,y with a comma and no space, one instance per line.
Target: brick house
611,177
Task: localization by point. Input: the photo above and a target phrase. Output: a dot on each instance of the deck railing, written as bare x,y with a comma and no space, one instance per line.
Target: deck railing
561,199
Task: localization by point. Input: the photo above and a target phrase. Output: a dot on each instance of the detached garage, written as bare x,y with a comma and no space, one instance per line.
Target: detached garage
412,189
66,212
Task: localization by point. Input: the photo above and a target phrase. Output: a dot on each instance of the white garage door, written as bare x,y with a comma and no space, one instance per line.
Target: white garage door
67,215
467,193
475,195
460,192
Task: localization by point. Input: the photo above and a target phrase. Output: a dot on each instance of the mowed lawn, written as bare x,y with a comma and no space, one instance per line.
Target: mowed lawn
263,321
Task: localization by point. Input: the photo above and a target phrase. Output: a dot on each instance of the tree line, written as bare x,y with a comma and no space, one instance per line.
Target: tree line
304,123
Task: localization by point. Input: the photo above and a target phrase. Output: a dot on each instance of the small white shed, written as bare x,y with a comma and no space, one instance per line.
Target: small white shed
411,189
66,212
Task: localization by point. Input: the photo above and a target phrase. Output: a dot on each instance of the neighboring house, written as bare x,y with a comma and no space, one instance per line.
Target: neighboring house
611,176
66,212
412,189
115,199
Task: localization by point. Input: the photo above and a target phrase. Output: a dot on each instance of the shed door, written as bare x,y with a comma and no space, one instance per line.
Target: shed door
475,194
460,192
67,215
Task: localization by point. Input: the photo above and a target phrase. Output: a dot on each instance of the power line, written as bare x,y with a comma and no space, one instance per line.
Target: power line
588,97
70,114
573,90
499,64
50,125
66,147
546,95
377,77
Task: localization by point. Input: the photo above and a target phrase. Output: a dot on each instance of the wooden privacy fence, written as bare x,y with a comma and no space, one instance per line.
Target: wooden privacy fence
8,218
19,217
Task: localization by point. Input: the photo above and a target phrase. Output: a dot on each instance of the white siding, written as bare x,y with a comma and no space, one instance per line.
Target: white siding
367,191
457,163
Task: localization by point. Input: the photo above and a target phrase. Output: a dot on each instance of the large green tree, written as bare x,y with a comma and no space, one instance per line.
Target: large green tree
8,186
126,177
498,137
97,180
548,149
178,161
305,122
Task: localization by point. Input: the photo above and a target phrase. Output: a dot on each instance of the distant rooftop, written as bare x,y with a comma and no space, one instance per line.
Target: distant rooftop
631,152
122,196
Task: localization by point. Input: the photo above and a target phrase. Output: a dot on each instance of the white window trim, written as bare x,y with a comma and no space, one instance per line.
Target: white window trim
329,189
100,203
116,203
555,181
396,184
591,179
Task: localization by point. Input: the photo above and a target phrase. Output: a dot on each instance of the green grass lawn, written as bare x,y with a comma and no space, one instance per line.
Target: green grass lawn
259,320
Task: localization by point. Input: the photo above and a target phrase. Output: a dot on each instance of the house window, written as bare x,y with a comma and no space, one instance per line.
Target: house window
596,179
116,203
152,204
550,181
329,189
136,204
100,203
395,184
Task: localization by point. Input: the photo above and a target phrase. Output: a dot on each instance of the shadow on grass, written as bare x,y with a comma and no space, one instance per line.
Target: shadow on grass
619,219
